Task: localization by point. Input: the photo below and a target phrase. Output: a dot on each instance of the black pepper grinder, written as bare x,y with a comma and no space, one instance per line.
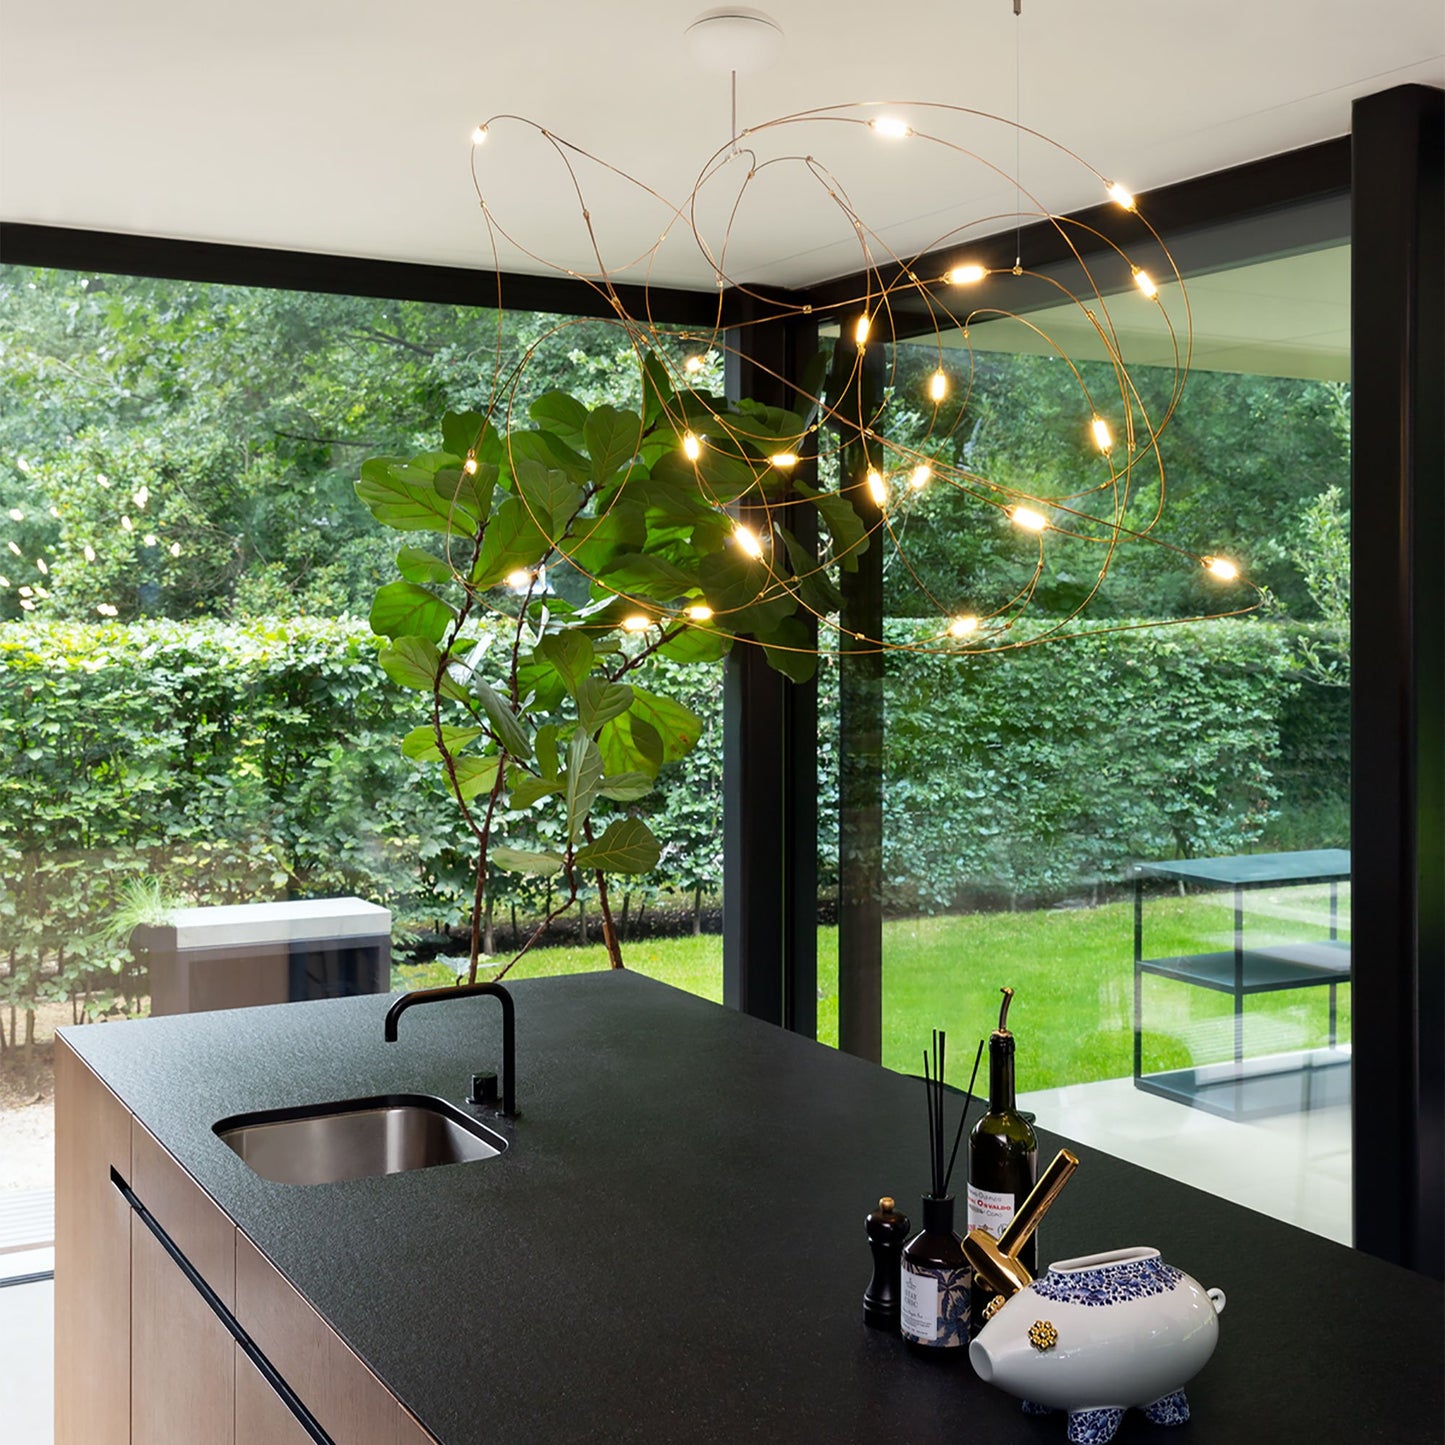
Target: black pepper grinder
887,1230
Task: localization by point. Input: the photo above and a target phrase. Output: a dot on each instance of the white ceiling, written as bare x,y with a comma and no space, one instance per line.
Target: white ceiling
345,129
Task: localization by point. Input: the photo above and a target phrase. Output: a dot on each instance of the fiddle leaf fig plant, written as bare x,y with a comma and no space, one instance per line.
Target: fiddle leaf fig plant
553,559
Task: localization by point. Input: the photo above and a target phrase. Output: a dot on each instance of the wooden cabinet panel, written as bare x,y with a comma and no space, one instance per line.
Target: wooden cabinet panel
92,1259
261,1416
182,1377
348,1401
195,1222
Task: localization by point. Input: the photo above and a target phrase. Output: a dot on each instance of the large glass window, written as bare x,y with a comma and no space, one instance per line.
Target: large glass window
1143,829
190,703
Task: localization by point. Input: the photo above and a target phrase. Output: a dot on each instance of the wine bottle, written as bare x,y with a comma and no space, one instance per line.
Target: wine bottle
1002,1153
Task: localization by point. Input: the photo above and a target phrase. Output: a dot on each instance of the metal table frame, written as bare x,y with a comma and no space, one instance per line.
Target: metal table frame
1242,971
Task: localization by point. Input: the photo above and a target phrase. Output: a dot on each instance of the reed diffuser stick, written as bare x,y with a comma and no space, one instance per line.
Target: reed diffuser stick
962,1118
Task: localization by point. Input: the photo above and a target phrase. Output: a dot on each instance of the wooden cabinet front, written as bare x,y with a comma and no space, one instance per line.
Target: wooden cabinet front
182,1377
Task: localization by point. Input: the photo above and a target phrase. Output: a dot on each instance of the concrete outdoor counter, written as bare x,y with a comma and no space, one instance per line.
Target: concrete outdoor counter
672,1247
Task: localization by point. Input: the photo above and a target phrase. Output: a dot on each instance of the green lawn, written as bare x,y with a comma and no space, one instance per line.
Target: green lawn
1072,973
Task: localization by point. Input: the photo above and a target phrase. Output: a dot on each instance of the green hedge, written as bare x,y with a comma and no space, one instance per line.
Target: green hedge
241,762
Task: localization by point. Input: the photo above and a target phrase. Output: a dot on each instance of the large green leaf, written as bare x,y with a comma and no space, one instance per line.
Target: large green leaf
560,413
414,662
474,775
527,789
657,388
420,743
612,436
626,787
549,495
676,726
546,747
628,846
548,450
584,776
716,477
404,496
522,860
845,526
469,491
505,723
402,609
643,575
419,565
571,654
594,540
513,541
698,642
810,578
465,432
630,745
792,649
731,579
598,701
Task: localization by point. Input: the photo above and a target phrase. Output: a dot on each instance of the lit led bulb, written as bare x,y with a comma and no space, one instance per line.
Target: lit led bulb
699,612
107,609
470,466
1119,195
479,135
89,552
966,275
784,460
1103,439
691,447
693,364
877,488
27,591
890,127
636,622
748,540
44,570
1145,282
14,547
920,477
520,580
27,604
860,331
937,386
1222,568
1028,519
962,626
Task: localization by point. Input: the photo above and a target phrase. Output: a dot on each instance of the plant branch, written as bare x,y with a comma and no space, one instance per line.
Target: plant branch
546,923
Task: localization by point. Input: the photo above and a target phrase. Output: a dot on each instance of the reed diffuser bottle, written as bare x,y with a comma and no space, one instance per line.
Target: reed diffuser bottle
936,1279
1002,1150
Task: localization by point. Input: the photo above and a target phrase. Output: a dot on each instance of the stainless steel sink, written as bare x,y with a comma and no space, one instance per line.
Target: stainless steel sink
358,1138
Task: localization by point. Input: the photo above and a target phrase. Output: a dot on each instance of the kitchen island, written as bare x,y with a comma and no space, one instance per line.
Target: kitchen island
671,1248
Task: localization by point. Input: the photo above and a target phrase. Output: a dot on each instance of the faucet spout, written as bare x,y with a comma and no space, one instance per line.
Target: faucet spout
509,1027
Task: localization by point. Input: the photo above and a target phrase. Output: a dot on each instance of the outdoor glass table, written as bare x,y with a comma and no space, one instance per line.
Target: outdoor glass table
1257,1087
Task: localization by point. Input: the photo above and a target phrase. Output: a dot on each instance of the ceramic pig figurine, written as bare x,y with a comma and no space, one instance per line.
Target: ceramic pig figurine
1097,1335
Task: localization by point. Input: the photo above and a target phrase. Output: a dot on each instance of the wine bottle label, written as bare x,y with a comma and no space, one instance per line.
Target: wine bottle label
935,1305
989,1210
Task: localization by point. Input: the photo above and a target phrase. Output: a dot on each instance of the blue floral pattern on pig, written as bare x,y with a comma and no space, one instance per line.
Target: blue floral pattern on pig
1093,1427
1109,1284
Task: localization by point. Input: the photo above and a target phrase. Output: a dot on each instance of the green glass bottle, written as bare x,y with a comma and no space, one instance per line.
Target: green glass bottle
1002,1153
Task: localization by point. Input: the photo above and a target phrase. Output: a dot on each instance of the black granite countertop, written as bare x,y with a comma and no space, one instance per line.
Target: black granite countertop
672,1248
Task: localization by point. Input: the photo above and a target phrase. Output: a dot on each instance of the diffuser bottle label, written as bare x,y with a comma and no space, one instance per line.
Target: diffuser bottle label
989,1209
935,1305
